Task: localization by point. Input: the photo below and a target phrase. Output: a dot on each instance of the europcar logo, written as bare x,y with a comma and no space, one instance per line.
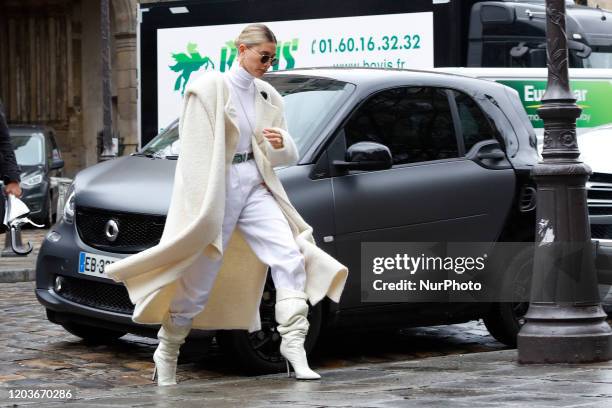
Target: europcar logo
192,61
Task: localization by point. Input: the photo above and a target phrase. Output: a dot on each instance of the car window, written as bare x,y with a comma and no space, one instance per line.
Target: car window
475,125
415,123
29,149
497,54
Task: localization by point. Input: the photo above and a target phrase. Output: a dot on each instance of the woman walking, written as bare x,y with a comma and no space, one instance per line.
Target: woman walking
225,182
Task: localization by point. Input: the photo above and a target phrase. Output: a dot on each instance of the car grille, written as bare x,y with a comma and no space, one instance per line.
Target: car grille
601,231
137,232
599,194
99,295
600,210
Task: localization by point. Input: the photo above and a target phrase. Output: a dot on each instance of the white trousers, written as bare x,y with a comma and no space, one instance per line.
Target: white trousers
250,207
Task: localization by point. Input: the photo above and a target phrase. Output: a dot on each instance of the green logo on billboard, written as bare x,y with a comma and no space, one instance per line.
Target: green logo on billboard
228,59
187,64
191,62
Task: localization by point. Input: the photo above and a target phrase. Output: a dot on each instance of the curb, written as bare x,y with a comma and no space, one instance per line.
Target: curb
17,275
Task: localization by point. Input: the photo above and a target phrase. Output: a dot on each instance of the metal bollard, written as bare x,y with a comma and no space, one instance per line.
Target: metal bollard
7,251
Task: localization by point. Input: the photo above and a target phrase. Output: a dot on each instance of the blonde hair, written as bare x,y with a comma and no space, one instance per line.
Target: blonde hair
255,34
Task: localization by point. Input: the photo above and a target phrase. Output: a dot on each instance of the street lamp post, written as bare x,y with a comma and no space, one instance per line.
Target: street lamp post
565,322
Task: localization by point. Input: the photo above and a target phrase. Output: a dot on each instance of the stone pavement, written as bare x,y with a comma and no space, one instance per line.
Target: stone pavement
455,365
472,380
21,268
36,352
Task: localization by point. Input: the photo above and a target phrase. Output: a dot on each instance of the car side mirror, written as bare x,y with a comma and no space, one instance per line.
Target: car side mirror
56,164
366,156
582,50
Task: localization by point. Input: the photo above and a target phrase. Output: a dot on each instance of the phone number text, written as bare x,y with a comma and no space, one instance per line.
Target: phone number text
361,44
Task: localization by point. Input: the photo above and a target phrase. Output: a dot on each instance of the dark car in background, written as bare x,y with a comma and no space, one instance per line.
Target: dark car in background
39,157
457,156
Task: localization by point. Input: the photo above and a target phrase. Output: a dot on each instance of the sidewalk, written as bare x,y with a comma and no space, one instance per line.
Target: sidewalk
21,268
464,380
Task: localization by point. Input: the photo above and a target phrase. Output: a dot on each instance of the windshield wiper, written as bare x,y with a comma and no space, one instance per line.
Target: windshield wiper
156,155
143,154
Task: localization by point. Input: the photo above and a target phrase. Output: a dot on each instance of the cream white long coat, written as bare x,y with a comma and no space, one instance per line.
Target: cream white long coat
208,137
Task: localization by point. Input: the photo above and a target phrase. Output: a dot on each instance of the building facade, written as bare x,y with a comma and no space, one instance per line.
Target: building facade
604,4
51,72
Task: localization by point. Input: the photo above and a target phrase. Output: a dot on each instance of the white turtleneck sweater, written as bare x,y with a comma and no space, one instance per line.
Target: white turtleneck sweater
242,87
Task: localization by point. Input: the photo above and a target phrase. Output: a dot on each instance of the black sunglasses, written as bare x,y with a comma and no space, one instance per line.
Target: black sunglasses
265,57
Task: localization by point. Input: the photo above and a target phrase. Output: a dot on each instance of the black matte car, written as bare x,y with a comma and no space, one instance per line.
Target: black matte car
456,159
39,157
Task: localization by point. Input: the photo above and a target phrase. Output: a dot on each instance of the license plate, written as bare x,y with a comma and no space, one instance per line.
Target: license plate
93,264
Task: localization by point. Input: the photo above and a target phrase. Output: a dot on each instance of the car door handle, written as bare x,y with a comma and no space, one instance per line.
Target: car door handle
491,155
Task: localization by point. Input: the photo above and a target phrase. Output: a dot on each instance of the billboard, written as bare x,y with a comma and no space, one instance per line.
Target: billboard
402,40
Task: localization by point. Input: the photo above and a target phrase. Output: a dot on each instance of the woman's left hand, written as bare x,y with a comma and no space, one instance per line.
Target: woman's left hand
274,137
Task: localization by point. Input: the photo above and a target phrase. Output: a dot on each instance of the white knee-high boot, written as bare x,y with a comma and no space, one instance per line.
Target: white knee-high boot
290,311
171,337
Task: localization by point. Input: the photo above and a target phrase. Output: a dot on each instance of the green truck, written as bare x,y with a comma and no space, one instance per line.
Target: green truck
592,89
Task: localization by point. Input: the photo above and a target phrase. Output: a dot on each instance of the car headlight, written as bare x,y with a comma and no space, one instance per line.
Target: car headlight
33,180
69,205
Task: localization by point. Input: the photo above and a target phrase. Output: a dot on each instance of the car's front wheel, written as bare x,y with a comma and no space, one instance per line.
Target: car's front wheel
258,352
91,334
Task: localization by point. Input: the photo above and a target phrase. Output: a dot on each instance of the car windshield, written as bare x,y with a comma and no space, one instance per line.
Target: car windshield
309,104
164,144
28,149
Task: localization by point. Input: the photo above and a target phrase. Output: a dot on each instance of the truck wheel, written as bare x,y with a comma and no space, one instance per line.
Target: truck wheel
505,319
258,352
91,334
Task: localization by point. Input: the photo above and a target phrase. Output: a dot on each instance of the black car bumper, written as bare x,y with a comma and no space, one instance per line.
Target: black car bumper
79,298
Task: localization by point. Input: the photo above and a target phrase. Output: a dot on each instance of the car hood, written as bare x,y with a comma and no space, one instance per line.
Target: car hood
596,150
127,184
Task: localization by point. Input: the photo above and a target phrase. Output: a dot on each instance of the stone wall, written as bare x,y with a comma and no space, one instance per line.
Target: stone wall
50,72
605,4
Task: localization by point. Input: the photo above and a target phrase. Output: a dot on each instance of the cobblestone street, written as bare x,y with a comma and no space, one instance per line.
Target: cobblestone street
37,353
21,268
454,366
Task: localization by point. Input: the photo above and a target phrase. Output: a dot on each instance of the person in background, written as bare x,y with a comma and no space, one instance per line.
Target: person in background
9,169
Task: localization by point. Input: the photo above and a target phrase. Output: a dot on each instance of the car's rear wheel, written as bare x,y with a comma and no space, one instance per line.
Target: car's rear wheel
258,352
505,319
91,334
